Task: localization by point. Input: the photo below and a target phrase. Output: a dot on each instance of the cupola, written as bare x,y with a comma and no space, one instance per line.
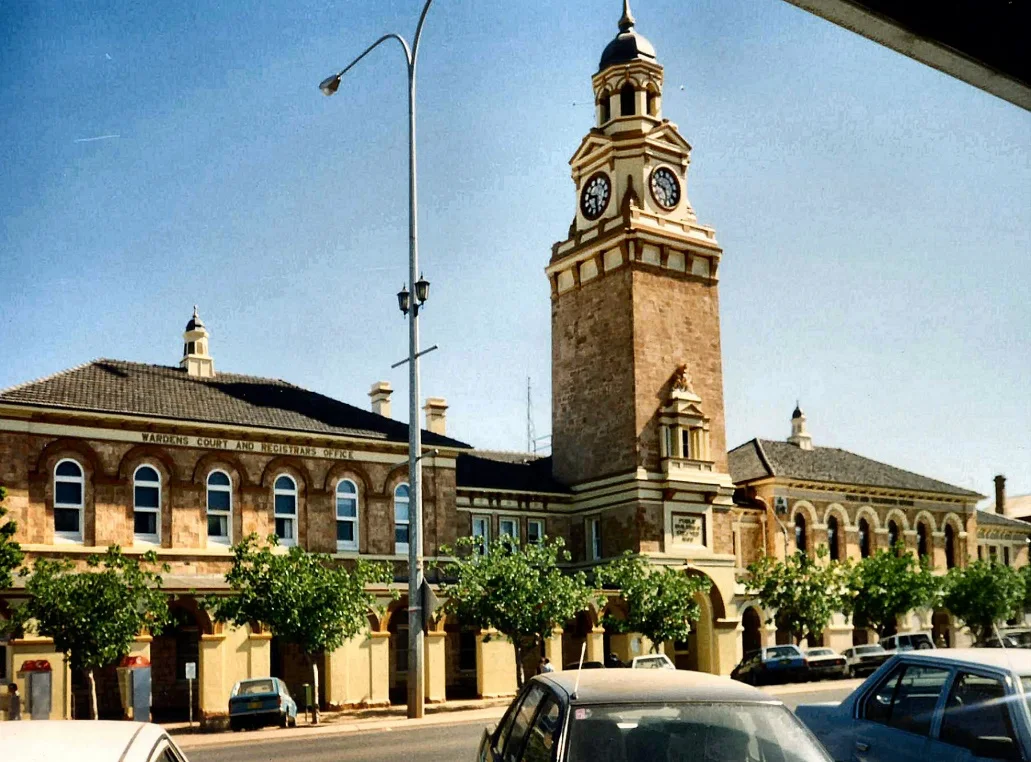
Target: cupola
629,79
799,436
196,360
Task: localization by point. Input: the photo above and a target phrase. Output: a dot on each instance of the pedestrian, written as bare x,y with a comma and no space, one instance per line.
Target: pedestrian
546,665
13,702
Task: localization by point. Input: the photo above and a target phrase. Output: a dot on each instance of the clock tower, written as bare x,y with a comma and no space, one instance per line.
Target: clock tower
637,378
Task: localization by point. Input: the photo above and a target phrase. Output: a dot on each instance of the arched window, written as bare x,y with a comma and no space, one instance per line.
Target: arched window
800,538
347,515
68,500
653,103
626,100
864,538
605,108
220,508
285,497
401,519
832,537
950,547
923,545
146,491
893,537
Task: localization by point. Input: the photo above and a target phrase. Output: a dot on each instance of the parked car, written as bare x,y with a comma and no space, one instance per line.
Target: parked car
652,661
862,660
911,641
637,716
946,705
826,662
1005,641
574,665
776,664
87,741
261,701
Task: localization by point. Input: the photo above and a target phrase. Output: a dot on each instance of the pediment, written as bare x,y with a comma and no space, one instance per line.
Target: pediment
668,134
592,144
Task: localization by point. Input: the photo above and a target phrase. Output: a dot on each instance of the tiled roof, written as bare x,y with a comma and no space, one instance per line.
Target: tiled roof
993,519
159,391
507,471
761,458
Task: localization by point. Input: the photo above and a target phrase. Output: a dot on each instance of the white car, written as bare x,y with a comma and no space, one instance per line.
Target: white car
910,641
862,660
946,705
652,661
87,741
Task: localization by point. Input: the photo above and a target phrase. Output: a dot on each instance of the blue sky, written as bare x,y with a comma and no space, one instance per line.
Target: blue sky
875,214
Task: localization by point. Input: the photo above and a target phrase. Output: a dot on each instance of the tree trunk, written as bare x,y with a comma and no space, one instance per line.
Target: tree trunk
92,693
315,692
519,665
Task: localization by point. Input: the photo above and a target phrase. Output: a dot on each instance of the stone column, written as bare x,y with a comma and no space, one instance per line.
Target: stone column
727,651
213,693
838,634
379,668
259,654
435,680
553,648
495,665
596,645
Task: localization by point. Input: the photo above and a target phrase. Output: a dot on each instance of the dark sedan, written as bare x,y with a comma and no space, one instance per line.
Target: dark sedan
776,664
634,715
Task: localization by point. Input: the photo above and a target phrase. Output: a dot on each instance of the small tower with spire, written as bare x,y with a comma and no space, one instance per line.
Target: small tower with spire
196,360
799,436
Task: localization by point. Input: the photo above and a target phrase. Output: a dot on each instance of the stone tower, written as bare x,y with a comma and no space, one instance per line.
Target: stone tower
637,379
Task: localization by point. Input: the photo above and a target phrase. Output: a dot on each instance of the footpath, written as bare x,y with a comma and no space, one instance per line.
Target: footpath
484,711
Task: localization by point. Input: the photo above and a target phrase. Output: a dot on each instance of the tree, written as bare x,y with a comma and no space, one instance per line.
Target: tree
803,592
517,590
982,595
888,585
303,598
660,602
94,615
10,551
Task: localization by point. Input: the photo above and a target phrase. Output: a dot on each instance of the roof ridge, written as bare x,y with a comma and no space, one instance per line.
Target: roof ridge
50,376
763,458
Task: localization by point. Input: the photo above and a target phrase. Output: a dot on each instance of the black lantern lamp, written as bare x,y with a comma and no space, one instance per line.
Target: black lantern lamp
404,299
422,289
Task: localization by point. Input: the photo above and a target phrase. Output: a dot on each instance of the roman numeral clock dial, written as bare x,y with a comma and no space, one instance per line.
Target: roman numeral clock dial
594,197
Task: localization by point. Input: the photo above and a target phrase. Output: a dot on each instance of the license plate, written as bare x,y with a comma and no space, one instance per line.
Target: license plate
254,705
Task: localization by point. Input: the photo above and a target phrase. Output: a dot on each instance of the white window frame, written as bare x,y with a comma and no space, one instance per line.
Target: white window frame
540,531
353,521
594,548
228,514
512,521
148,538
80,506
482,521
401,548
291,517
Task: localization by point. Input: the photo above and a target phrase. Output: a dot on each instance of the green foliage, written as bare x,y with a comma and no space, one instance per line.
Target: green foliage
887,585
984,594
660,601
10,551
302,597
517,590
1025,574
803,592
94,615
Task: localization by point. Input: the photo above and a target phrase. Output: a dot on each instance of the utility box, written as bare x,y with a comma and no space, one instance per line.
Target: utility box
134,687
39,688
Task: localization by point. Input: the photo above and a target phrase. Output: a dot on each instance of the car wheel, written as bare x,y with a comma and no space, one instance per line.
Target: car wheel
284,720
850,672
293,721
234,726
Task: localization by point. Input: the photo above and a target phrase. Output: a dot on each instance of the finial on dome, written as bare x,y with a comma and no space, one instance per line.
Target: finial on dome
626,21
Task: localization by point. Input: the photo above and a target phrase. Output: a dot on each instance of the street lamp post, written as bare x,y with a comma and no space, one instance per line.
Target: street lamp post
410,307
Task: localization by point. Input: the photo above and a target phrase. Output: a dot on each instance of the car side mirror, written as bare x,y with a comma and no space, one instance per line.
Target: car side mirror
995,747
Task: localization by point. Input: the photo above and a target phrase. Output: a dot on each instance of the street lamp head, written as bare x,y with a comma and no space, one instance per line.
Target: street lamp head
330,85
404,299
422,289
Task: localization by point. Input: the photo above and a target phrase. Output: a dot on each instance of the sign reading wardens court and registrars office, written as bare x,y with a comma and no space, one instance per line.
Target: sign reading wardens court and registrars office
242,445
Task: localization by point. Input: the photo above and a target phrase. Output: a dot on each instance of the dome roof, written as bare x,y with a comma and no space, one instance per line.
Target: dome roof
628,44
797,413
195,321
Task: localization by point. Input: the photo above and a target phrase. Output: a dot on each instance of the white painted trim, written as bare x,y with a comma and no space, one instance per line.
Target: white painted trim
286,542
147,538
355,521
80,480
221,488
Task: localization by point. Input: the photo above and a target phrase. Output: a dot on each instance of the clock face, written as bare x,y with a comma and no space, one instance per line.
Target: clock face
595,195
665,188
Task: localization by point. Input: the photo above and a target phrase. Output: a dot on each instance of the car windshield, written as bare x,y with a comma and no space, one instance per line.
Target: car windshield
254,687
678,732
868,649
780,652
821,652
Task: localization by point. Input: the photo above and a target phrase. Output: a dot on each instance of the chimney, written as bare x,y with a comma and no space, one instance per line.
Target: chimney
436,415
380,395
1000,495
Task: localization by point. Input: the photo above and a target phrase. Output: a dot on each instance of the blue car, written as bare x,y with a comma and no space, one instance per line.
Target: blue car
776,664
261,701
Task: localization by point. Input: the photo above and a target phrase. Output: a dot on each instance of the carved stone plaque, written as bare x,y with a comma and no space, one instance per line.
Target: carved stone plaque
688,528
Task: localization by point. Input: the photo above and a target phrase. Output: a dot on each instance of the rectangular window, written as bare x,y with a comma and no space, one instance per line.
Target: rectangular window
481,531
1006,555
993,554
977,709
594,538
535,531
685,442
509,527
907,699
